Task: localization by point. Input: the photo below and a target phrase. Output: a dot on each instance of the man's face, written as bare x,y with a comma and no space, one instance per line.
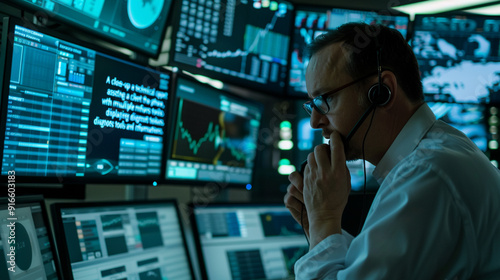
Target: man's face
326,71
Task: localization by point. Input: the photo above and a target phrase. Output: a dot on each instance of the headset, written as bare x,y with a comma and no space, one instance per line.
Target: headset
379,95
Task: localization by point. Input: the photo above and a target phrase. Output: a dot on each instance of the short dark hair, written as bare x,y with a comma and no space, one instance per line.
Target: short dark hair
362,41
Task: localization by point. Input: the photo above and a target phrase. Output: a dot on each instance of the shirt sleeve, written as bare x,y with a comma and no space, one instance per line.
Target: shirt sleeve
325,258
413,231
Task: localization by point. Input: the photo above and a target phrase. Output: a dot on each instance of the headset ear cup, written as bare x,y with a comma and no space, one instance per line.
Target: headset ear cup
379,99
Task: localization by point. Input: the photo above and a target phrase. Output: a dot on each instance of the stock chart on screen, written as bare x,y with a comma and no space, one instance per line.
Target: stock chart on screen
240,42
215,135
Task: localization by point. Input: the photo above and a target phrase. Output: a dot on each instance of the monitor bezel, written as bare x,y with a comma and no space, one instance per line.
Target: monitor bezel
226,78
168,150
290,92
86,30
56,183
59,234
39,199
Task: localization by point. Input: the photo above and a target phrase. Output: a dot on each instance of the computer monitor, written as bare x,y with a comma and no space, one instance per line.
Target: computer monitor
459,57
137,25
311,21
27,248
468,118
75,114
122,240
215,136
240,42
247,241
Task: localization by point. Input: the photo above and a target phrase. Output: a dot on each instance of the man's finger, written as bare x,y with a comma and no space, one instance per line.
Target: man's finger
337,151
296,179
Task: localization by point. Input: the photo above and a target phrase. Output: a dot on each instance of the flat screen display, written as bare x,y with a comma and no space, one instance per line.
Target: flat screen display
468,118
27,250
76,114
247,241
240,42
459,57
138,25
215,135
140,240
312,21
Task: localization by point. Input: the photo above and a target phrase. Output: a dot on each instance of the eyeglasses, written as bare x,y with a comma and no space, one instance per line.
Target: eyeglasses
320,103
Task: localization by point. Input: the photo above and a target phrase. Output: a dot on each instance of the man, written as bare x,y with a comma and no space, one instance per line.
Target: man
436,214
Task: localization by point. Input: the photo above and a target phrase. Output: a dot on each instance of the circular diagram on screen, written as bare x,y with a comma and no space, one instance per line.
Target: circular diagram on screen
143,13
24,254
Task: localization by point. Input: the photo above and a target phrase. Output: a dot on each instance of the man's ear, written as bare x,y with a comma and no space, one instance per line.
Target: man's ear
391,82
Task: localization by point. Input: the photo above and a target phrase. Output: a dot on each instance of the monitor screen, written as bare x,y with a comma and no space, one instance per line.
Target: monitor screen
215,135
468,118
312,21
240,42
137,25
27,249
459,57
247,241
122,240
76,114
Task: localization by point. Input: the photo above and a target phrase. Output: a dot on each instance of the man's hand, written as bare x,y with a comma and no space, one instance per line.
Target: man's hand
294,201
325,190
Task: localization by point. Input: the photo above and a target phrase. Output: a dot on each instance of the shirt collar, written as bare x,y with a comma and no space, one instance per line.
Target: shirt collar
406,141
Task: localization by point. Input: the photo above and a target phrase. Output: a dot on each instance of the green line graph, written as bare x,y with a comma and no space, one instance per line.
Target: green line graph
111,222
237,154
212,135
201,136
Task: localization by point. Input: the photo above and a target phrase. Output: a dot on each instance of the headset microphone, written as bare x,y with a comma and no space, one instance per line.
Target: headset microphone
358,124
345,141
376,99
378,95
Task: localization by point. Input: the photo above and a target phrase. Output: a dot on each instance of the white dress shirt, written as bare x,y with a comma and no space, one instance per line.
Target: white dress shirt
436,214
